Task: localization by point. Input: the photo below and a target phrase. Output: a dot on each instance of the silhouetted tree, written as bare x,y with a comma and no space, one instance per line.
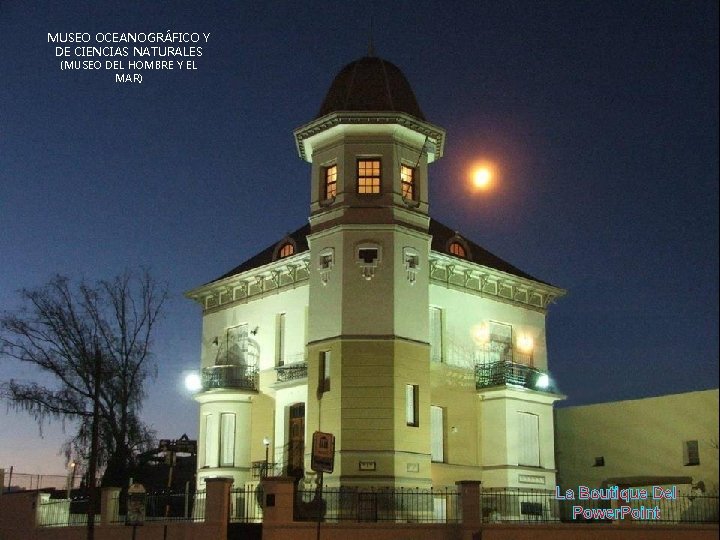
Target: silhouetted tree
63,331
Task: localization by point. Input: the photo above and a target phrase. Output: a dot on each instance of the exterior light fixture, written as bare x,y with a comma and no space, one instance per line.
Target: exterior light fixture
481,334
526,343
266,443
543,381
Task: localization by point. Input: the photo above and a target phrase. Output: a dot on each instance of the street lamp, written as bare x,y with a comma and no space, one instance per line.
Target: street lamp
71,478
266,442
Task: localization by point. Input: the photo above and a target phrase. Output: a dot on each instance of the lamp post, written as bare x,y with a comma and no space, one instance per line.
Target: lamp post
266,442
71,478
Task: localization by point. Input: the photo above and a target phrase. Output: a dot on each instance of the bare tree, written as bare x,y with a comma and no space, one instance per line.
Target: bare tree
88,338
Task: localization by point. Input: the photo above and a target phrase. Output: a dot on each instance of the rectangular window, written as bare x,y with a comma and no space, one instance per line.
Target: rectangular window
437,434
436,344
407,182
368,172
227,440
529,439
411,405
691,453
211,437
324,372
330,181
280,339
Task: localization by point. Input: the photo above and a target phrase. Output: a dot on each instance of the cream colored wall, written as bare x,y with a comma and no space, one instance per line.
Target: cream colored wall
453,389
464,311
642,437
500,438
261,312
216,403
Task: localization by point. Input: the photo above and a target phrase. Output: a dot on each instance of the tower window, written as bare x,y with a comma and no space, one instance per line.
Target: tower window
368,176
407,182
457,249
287,250
330,181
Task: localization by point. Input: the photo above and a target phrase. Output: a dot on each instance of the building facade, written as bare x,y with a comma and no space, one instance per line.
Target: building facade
664,440
421,352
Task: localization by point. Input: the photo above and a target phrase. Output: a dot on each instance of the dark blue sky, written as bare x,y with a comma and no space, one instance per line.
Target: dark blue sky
602,117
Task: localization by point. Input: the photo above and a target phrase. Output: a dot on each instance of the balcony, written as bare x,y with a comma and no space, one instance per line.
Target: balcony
506,373
291,372
230,376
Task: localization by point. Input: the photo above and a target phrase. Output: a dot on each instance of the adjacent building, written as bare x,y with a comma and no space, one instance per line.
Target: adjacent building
420,351
666,440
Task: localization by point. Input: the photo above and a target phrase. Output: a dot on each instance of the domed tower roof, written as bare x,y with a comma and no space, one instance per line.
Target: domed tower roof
371,84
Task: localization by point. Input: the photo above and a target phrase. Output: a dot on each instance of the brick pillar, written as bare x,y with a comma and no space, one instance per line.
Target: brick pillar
109,505
470,508
278,499
2,480
217,506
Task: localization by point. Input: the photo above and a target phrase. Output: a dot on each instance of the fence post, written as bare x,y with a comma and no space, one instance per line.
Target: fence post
469,506
217,505
2,481
109,505
278,499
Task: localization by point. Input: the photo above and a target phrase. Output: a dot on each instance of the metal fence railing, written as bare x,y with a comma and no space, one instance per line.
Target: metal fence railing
165,505
246,504
403,505
525,505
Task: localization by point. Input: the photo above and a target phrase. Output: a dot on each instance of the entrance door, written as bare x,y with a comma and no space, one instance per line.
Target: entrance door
296,448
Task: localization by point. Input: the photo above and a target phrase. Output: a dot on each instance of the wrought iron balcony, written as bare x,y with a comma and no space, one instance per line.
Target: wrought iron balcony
291,372
230,376
504,373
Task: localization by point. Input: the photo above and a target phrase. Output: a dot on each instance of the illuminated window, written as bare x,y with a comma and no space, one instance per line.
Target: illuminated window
407,182
368,176
287,250
457,249
330,181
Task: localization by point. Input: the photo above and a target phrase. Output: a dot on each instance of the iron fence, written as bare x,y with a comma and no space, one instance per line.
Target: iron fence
165,505
63,512
525,505
401,505
246,504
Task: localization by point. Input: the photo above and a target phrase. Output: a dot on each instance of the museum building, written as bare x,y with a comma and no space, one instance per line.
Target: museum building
421,352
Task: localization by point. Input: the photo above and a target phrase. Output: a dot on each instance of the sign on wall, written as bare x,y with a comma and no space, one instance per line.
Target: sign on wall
323,452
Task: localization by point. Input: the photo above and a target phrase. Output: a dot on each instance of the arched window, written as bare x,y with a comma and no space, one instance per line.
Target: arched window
457,249
286,250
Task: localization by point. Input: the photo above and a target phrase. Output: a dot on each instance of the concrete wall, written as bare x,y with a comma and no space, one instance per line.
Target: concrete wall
639,438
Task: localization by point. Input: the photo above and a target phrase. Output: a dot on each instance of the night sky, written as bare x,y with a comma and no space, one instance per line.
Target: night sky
602,118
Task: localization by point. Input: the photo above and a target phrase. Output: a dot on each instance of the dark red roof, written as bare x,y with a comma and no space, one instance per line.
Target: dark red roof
441,238
371,84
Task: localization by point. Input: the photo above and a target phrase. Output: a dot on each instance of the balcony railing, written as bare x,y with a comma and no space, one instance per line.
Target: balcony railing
291,372
505,373
230,376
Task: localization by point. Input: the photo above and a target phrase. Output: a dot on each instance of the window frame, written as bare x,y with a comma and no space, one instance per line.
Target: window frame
411,185
457,249
330,176
362,179
412,412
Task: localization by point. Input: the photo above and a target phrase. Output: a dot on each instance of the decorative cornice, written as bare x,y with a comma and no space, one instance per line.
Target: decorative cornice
434,134
281,274
486,281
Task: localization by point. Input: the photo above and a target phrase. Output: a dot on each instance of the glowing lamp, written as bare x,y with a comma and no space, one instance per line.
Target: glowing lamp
193,382
525,343
543,381
481,334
